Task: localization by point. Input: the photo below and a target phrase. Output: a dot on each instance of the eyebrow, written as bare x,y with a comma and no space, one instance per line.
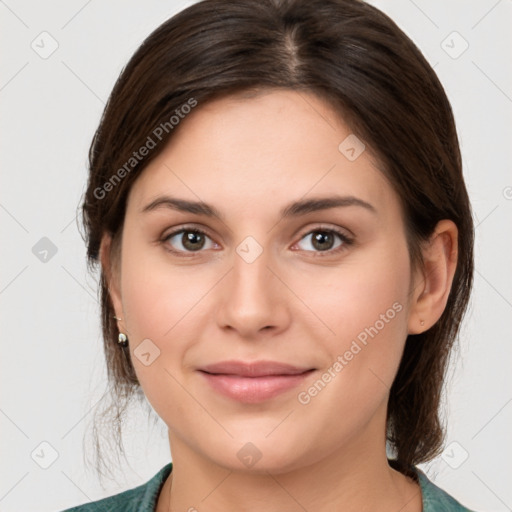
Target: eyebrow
295,209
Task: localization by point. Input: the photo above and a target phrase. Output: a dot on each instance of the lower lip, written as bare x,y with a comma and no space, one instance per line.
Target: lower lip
253,389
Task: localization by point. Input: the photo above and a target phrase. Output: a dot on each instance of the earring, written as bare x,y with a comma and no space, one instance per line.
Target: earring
422,322
122,339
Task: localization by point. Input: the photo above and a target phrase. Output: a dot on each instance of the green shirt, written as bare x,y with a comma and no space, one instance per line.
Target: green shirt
144,497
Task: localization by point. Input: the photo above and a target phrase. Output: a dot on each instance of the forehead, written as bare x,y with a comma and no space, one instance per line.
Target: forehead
256,154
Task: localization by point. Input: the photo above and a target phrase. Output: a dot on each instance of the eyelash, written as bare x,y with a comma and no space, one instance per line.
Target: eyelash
346,241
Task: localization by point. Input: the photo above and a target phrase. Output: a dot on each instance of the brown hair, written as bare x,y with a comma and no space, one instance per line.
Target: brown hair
356,58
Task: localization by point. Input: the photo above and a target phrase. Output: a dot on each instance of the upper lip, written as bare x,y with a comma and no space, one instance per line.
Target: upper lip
253,369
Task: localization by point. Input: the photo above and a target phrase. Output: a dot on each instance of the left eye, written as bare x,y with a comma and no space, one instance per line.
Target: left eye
323,240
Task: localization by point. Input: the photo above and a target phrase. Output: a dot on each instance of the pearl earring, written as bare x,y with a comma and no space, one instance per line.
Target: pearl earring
122,339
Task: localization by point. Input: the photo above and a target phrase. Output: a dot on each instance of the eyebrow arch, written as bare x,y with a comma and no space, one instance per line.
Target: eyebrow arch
295,209
303,207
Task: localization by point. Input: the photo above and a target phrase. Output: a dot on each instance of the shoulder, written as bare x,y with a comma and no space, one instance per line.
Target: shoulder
436,499
139,499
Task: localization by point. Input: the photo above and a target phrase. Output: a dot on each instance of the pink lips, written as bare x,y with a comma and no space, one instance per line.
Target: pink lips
253,382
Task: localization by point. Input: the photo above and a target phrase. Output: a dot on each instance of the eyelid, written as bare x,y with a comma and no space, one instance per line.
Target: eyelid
185,227
346,233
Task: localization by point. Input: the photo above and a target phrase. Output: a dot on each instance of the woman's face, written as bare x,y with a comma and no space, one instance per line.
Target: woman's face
318,288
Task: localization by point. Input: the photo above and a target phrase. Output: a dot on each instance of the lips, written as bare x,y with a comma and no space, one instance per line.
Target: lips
255,369
253,382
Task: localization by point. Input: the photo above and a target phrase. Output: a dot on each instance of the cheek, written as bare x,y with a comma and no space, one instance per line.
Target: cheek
157,295
364,304
354,295
165,304
160,302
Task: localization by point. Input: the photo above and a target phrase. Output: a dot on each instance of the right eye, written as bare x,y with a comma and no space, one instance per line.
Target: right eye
187,241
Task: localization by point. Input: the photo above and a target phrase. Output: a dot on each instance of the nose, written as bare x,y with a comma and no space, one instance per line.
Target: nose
253,299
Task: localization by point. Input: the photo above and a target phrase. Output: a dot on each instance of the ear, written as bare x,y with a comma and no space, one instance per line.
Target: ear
433,283
110,266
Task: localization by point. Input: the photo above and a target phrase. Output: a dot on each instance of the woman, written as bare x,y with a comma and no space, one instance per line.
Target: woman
277,204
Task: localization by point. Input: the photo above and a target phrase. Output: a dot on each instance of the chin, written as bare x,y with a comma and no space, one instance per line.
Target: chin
255,454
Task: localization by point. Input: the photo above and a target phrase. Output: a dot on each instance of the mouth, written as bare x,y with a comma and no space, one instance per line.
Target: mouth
253,382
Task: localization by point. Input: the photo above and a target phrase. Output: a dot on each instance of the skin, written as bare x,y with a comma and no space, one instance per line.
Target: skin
294,303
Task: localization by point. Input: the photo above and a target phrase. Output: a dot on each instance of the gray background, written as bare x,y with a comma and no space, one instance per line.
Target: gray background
52,369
